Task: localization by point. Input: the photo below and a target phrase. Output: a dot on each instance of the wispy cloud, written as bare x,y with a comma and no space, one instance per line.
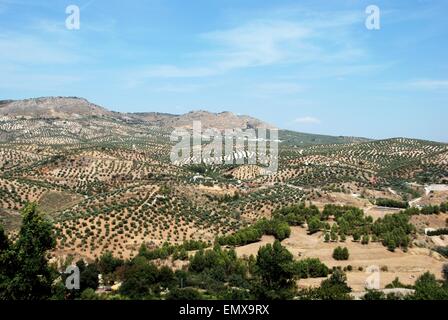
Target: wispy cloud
19,48
419,84
266,42
170,71
278,88
256,43
307,120
429,84
179,88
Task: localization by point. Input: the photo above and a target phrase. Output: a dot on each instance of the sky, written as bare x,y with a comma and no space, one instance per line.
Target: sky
310,66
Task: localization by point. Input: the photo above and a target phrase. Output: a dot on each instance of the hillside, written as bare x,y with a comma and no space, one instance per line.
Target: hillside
106,179
76,119
52,107
220,121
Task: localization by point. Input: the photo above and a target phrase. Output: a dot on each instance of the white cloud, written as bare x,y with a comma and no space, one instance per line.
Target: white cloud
17,48
429,84
256,43
179,88
418,84
275,88
261,42
170,71
307,120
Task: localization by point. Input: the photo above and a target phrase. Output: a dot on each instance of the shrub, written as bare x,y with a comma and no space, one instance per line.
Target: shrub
365,239
310,268
438,232
184,294
314,225
392,203
341,254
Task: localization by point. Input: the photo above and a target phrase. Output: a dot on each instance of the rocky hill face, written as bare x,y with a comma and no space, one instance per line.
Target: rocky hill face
52,107
69,108
220,121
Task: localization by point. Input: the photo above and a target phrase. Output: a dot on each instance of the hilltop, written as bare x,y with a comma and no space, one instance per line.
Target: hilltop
92,116
220,121
52,107
68,108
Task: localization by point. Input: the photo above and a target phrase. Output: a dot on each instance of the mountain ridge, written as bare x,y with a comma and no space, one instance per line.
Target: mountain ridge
68,107
72,107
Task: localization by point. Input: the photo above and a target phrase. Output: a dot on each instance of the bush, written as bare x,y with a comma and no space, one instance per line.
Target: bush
275,273
394,230
438,232
89,294
428,288
334,288
341,254
296,215
276,227
374,295
444,207
314,225
427,210
365,239
392,203
310,268
442,251
184,294
445,272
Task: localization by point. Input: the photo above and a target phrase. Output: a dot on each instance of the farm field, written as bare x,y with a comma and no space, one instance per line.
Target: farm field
106,183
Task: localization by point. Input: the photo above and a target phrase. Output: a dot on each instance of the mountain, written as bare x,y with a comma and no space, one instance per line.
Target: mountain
109,123
68,108
52,107
220,121
301,139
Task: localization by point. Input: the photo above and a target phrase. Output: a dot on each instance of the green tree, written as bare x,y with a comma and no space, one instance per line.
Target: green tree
107,263
89,294
334,236
4,242
140,280
365,239
356,235
340,253
25,273
314,225
445,273
335,288
184,294
427,288
374,295
88,275
275,272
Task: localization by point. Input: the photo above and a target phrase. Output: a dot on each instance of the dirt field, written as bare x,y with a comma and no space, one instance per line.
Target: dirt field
406,266
433,197
380,212
53,201
436,221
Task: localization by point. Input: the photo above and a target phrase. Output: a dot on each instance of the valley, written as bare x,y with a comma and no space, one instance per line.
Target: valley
105,181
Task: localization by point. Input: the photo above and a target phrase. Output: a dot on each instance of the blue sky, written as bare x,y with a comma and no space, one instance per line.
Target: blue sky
309,66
